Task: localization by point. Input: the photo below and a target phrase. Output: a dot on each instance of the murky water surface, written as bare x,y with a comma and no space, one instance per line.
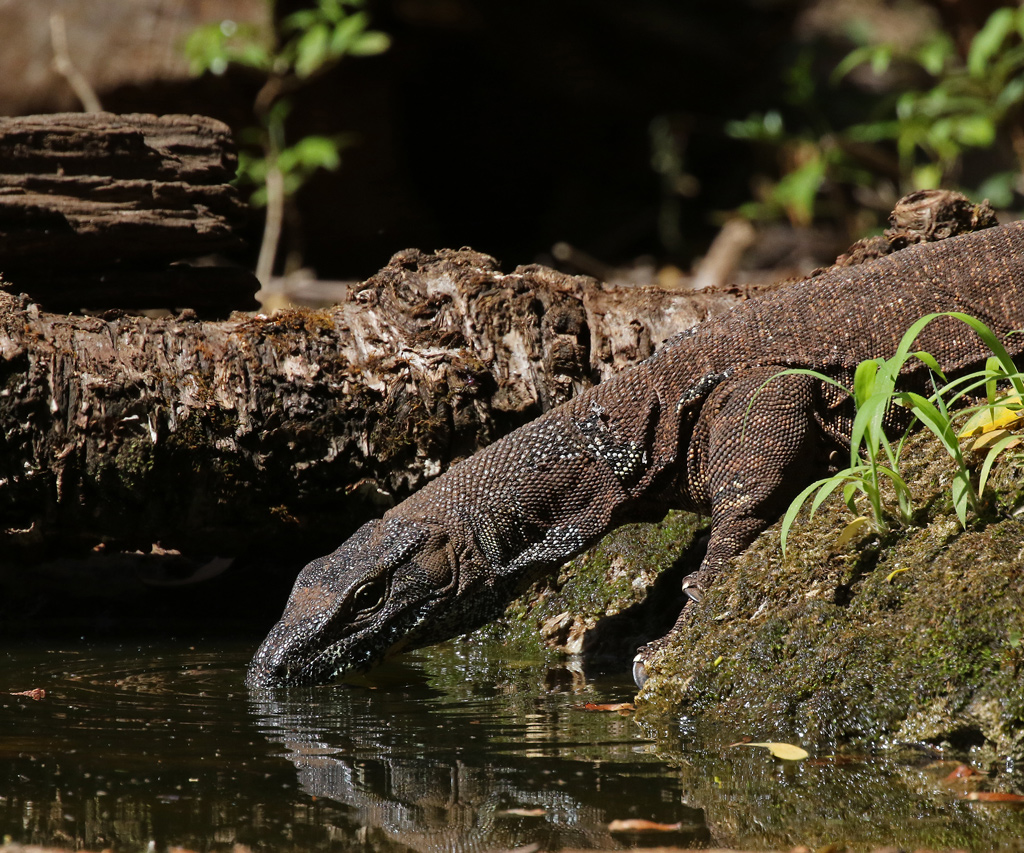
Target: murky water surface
455,749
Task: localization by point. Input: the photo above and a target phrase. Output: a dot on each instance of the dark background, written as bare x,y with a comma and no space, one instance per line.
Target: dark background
509,126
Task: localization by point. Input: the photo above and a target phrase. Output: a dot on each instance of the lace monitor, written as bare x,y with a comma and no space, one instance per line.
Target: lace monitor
694,427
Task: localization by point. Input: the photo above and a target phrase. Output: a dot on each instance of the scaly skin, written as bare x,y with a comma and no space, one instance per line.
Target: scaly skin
693,427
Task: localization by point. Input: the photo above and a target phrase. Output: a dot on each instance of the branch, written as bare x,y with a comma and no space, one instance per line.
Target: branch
63,65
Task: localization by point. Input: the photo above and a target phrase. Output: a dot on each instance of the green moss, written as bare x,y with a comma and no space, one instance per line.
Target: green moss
907,638
606,580
134,460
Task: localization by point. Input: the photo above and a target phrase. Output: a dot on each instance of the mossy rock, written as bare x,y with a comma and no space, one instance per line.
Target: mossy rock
599,605
911,636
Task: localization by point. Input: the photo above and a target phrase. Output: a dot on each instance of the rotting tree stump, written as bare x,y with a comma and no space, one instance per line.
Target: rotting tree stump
101,211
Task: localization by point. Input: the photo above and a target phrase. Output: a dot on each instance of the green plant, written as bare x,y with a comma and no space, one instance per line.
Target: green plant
969,101
916,137
874,459
296,49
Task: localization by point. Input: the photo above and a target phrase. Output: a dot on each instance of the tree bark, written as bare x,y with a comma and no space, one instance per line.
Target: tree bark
258,432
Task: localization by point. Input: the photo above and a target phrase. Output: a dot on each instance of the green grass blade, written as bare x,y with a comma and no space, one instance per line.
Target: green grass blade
864,380
990,458
963,495
939,424
828,487
796,505
867,427
898,482
988,337
930,360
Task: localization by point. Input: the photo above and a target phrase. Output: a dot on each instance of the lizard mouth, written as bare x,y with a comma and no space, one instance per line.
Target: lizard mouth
325,667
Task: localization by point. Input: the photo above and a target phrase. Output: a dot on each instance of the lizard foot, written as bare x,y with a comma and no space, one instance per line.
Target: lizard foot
696,585
645,654
639,671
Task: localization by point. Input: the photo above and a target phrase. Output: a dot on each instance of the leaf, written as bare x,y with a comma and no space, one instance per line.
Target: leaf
831,483
1003,797
347,31
370,44
988,40
963,495
785,751
641,825
962,771
935,53
848,532
990,340
1007,412
1007,441
988,438
864,380
311,153
612,706
36,693
894,572
311,50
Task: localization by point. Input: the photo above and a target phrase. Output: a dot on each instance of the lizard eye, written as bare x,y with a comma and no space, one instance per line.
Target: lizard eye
369,596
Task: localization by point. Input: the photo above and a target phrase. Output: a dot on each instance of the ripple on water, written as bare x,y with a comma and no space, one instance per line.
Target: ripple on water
122,699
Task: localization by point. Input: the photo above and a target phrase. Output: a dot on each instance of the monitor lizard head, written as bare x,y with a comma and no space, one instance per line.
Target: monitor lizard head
394,585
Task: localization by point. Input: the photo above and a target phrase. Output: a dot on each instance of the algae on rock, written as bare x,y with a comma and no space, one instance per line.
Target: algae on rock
606,602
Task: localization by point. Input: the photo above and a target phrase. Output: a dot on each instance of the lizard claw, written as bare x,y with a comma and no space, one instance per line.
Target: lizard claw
694,589
639,671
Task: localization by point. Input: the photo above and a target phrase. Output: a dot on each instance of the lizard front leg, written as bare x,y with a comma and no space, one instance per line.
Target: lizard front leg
754,447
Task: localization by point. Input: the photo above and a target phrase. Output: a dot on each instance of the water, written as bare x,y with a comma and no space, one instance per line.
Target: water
456,748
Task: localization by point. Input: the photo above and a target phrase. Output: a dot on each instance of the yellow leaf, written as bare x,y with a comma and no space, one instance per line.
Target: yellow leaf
785,751
1007,414
894,572
848,532
987,439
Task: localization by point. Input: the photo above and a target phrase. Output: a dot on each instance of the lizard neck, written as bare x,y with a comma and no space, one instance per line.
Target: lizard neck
523,508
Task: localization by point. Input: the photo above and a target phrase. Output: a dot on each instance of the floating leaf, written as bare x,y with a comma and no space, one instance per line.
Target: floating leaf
1003,797
848,532
36,693
613,706
785,751
641,825
962,771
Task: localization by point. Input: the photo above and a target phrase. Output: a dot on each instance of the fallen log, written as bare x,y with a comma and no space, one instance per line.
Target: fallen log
88,199
235,435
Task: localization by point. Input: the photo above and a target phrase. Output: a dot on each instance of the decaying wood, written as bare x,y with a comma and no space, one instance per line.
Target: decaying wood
239,434
85,195
922,217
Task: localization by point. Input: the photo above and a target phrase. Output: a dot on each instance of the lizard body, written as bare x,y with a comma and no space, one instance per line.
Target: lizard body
694,427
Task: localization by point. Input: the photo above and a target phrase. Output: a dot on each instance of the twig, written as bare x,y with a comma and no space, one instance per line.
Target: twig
63,65
724,254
